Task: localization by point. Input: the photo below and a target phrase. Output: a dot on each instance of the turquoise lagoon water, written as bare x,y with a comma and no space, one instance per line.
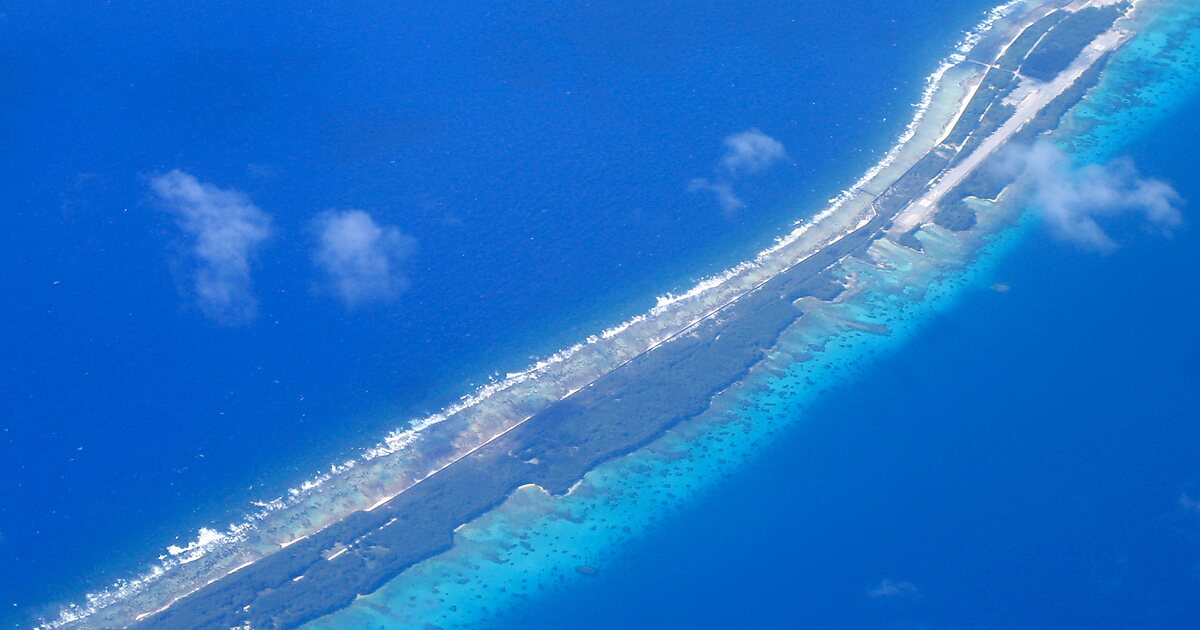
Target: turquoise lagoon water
787,505
539,152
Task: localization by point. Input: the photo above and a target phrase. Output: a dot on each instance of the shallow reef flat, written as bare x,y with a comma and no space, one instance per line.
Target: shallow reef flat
537,543
861,270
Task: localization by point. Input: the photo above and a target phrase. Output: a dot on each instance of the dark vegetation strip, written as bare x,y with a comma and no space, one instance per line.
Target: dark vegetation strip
998,114
619,413
1066,34
991,178
1015,55
911,183
1066,40
909,239
1050,115
996,85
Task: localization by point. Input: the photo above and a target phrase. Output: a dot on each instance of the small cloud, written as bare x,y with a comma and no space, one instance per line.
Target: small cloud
750,152
361,260
746,152
889,589
723,191
1188,503
1073,200
225,229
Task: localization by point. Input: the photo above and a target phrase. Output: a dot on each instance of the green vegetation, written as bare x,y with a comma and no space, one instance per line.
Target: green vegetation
909,239
1059,37
955,215
996,116
618,413
996,85
1049,117
914,180
1015,54
1066,40
988,181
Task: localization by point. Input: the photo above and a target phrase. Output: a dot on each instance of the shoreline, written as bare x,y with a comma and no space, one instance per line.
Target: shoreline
399,440
505,559
611,350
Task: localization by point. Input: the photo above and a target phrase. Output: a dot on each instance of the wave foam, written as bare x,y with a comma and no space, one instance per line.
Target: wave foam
208,540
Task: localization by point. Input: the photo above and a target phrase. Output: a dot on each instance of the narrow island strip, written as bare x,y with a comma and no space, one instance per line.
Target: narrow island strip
352,529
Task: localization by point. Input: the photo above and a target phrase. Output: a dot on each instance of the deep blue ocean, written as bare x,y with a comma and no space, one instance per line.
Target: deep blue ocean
1028,460
540,154
1020,463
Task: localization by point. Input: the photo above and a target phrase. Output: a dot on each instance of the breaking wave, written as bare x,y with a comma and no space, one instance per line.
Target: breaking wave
209,540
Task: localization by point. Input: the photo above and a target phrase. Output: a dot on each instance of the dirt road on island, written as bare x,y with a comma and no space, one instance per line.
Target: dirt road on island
1035,101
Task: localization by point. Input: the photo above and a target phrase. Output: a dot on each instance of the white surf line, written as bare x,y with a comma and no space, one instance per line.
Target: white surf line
839,237
920,210
284,545
857,188
696,322
69,616
992,66
469,453
687,328
870,213
703,318
209,583
962,110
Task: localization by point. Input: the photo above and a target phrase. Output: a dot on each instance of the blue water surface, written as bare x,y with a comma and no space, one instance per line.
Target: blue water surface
539,152
1028,460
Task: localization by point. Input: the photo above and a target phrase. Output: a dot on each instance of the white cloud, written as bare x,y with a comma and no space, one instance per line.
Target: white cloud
361,259
750,152
1188,503
1075,200
889,589
746,152
225,230
723,191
